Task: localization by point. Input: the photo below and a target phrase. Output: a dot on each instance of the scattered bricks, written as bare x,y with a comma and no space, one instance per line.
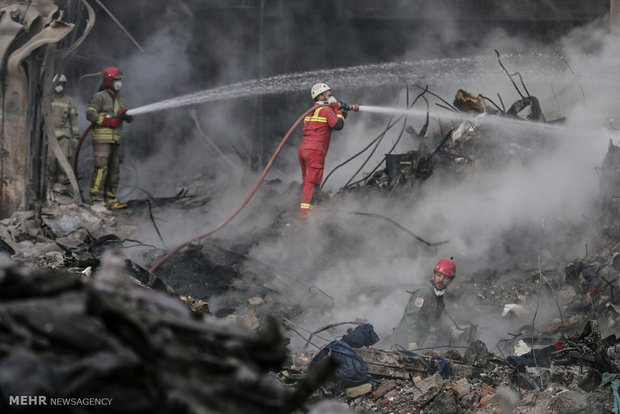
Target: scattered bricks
490,400
461,387
392,395
383,403
528,398
487,389
382,390
354,392
428,388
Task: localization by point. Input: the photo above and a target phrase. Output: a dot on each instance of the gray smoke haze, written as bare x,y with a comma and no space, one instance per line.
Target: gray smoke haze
492,219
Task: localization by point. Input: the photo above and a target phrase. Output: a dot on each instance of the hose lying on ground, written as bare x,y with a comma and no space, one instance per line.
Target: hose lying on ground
245,201
418,238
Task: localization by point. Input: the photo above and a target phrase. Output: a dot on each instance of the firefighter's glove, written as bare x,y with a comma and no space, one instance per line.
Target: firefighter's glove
122,115
345,106
111,122
333,103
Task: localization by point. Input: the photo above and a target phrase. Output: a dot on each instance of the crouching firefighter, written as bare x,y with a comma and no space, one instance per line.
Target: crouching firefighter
422,324
318,126
107,110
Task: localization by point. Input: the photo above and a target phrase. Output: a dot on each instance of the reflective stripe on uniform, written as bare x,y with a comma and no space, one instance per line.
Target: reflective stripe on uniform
306,206
103,133
106,134
60,104
95,188
315,117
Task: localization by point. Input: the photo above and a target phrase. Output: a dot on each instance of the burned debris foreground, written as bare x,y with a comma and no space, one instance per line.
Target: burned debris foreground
147,351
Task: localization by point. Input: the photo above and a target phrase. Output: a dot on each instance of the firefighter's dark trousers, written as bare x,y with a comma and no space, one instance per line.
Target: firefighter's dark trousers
107,172
56,173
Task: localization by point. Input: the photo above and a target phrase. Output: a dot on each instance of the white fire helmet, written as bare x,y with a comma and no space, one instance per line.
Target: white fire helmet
60,78
318,89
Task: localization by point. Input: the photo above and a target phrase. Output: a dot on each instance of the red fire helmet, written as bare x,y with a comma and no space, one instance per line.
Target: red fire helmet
447,267
110,74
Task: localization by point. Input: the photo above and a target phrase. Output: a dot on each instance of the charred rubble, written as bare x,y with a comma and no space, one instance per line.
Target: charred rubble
77,319
66,336
152,343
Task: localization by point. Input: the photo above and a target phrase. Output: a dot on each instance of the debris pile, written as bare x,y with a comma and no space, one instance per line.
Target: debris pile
571,377
63,336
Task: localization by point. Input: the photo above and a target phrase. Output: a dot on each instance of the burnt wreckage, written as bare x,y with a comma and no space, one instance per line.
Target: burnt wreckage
456,149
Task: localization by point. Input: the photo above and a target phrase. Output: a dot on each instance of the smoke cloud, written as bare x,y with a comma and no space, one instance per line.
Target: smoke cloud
343,266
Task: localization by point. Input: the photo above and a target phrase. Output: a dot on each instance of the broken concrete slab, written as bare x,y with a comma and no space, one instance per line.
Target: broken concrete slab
427,389
461,387
391,364
354,392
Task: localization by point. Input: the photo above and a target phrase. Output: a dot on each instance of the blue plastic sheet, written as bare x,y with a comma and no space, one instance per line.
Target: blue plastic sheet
363,335
352,370
615,384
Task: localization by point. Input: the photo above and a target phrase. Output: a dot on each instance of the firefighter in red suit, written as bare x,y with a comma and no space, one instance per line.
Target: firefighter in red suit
318,126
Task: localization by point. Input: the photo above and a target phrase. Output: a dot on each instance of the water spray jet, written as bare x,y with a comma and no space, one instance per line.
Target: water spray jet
463,116
434,71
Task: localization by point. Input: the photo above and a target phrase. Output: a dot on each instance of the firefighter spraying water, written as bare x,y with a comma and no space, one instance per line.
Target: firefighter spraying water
107,110
328,115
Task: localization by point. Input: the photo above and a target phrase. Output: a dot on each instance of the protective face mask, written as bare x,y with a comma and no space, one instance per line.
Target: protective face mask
59,88
439,292
118,85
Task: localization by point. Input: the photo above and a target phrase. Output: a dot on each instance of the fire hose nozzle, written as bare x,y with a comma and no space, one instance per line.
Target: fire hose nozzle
348,107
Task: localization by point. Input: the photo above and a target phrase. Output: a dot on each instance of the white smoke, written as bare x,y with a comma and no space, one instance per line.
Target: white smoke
366,278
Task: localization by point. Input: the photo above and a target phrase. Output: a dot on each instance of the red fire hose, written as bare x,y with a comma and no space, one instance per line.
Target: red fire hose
243,204
77,150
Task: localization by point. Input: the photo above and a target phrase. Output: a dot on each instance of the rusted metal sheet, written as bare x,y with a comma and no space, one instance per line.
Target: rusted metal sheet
511,10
